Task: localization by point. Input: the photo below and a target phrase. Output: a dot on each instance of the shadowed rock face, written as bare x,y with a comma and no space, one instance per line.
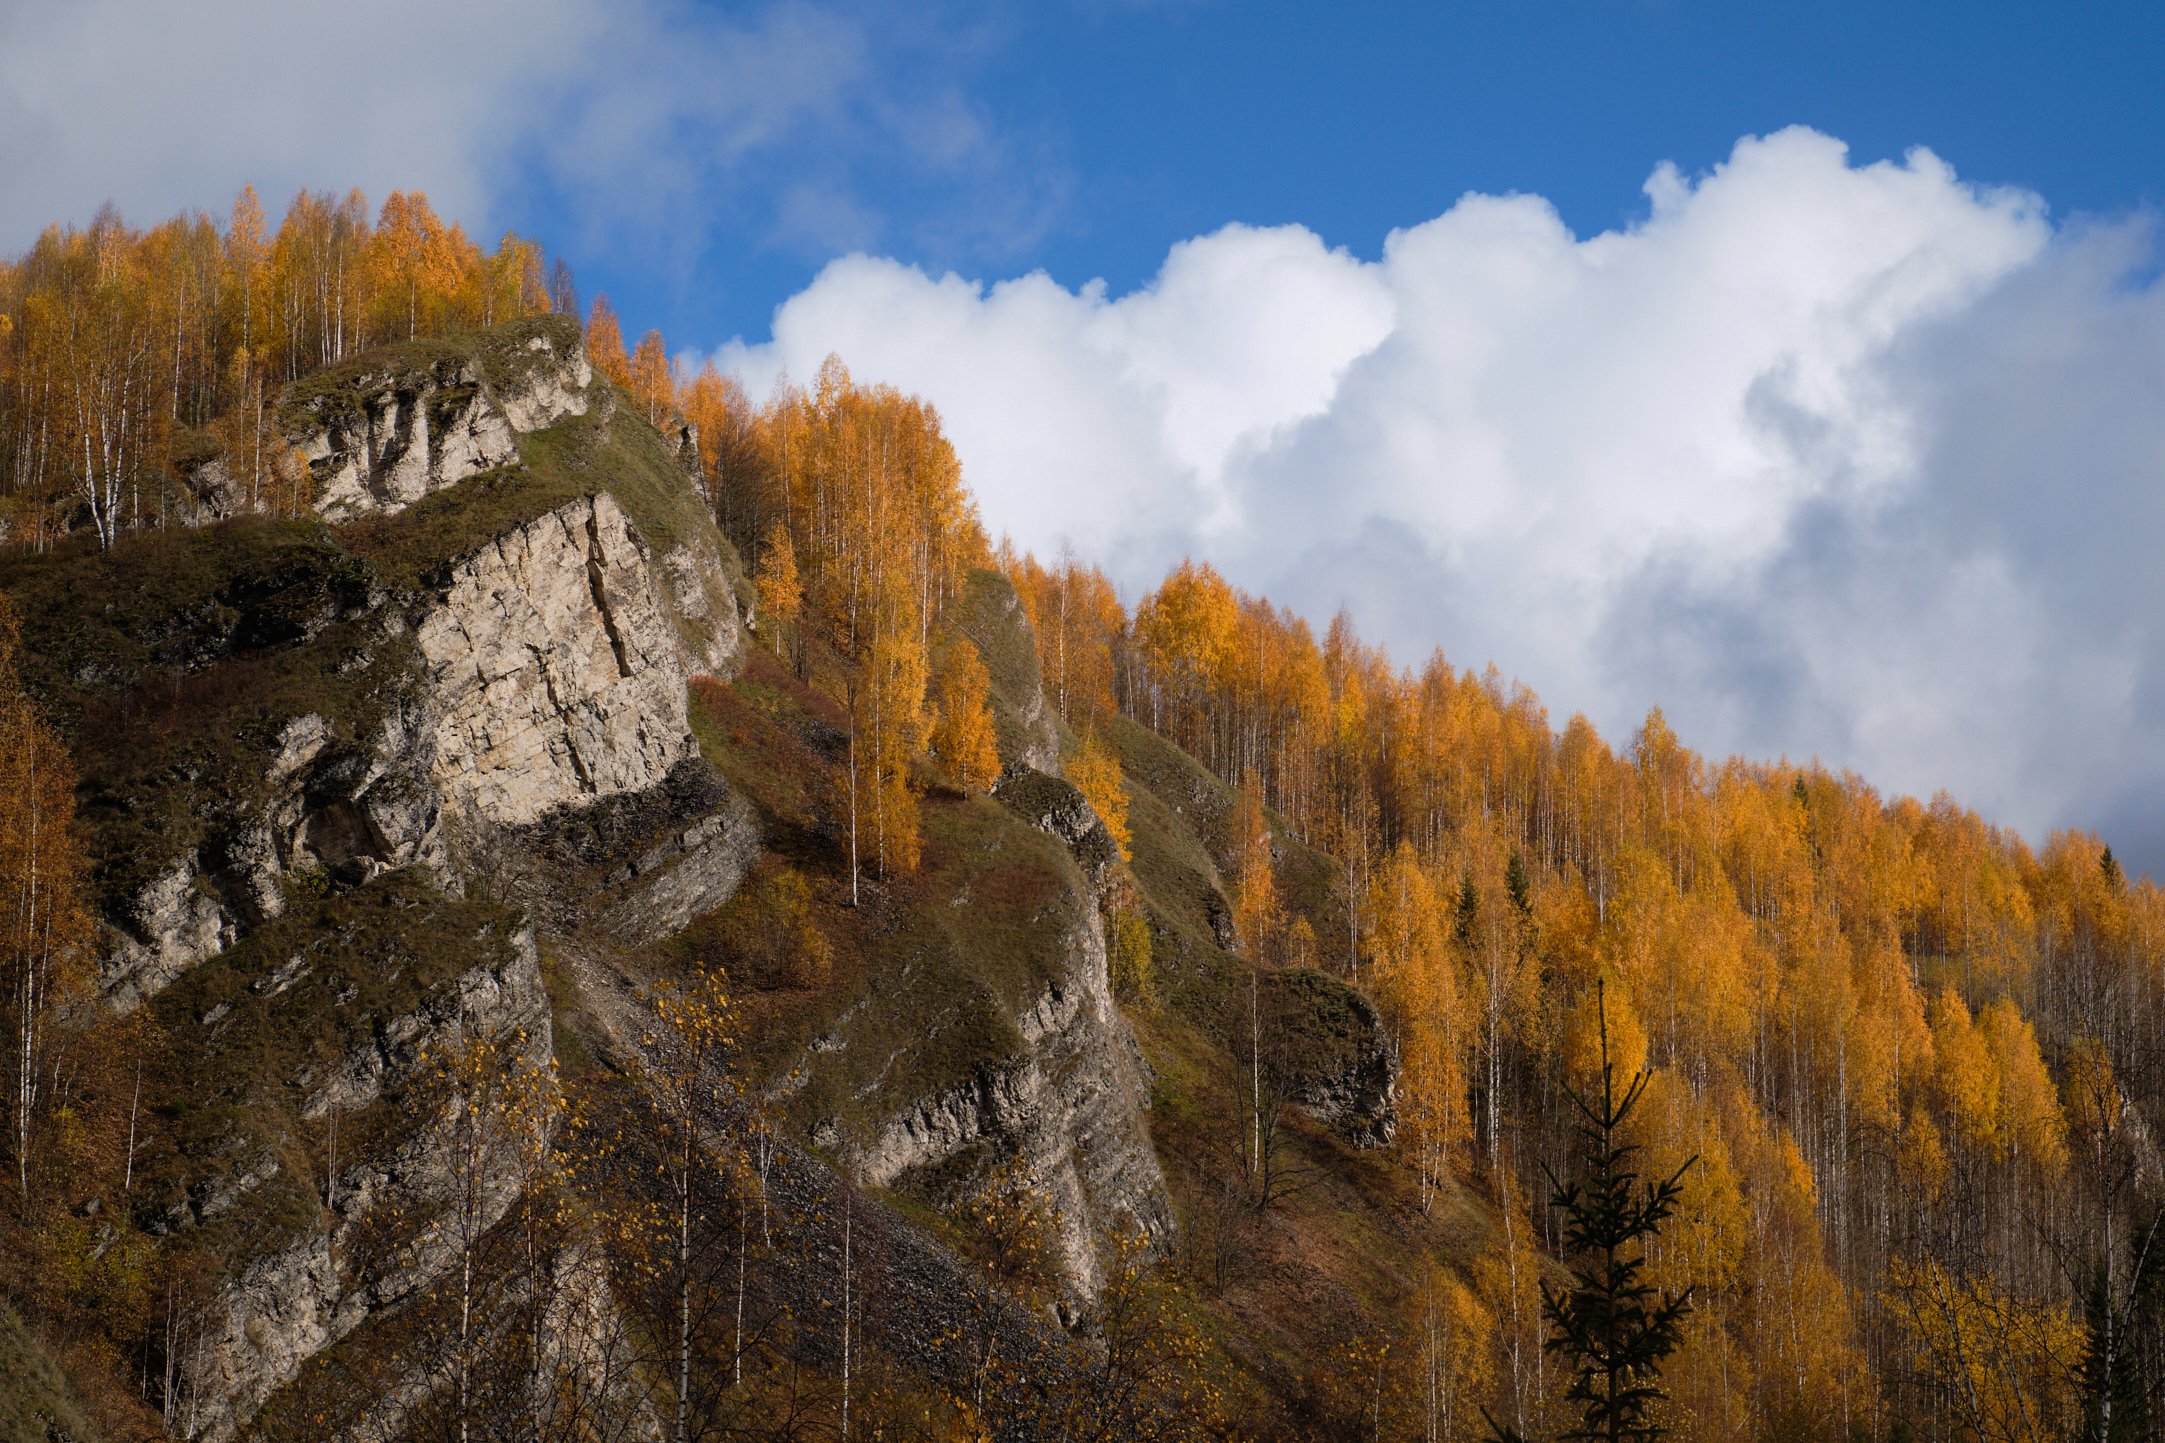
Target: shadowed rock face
1354,1087
347,808
281,1308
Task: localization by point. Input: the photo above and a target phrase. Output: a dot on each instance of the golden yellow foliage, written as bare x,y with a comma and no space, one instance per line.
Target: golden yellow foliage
605,344
1095,771
2008,1364
962,738
1582,1037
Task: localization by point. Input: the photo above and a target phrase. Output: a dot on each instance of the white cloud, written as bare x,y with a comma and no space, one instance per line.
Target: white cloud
159,107
650,122
1113,424
1838,460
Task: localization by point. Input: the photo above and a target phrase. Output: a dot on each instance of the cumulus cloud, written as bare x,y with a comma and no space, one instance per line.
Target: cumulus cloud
1849,461
651,121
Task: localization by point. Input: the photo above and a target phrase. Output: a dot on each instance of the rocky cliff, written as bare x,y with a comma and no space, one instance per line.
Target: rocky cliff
463,761
350,718
287,1301
389,430
978,1035
303,746
553,668
478,687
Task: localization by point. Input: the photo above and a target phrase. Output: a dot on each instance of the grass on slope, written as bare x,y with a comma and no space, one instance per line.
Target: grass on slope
171,662
37,1404
973,934
963,940
609,449
989,613
1286,1287
1180,818
500,355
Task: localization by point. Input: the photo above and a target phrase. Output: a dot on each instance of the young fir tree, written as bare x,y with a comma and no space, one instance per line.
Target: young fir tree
1611,1324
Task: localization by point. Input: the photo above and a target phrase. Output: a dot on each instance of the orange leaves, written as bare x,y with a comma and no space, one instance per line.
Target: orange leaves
1611,1003
605,344
1417,980
649,381
2029,1104
1079,621
781,595
45,925
2094,1098
143,342
2007,1365
420,265
1405,941
1965,1075
1257,913
1095,771
1992,1084
1187,629
717,409
962,738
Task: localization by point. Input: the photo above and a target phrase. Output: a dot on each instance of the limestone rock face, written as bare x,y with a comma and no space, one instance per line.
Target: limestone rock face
210,492
706,609
390,437
282,1308
681,876
170,925
1067,1102
548,671
554,669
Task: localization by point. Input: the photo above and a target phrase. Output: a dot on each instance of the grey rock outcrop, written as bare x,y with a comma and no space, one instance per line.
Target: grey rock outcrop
1067,1103
431,721
390,436
1356,1094
1333,1053
1068,1099
348,808
1058,808
170,925
706,610
555,669
549,671
281,1308
692,871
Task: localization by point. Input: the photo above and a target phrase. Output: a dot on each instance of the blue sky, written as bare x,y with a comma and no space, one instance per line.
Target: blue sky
1795,367
1113,130
701,161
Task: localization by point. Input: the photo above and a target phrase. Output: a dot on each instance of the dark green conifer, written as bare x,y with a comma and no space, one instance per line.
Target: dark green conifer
1613,1326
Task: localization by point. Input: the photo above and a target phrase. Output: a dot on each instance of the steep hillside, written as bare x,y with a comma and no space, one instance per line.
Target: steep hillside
36,1401
306,750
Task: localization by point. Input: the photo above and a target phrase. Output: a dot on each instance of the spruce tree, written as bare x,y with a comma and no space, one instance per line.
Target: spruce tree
1613,1326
